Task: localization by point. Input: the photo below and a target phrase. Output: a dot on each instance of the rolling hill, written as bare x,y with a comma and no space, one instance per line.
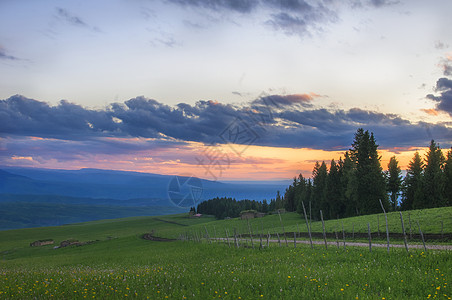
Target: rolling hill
31,197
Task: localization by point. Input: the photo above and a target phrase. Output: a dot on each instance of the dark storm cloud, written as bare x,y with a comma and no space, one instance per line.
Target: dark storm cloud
20,115
271,120
444,88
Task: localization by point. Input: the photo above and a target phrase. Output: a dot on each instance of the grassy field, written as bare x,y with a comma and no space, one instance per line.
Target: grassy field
121,264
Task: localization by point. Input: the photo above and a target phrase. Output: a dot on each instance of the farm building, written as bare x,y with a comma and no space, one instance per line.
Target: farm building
192,214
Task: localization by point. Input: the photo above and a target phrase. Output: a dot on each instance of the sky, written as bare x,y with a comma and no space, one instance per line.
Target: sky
224,90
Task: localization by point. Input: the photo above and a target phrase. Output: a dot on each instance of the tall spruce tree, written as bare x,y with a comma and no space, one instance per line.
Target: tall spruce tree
333,191
349,185
319,201
434,183
290,196
394,181
412,193
448,178
371,184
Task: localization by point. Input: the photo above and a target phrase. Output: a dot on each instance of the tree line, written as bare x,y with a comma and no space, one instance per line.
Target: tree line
355,185
229,207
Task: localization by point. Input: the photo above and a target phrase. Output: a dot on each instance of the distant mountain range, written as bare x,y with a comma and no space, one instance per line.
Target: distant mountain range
91,194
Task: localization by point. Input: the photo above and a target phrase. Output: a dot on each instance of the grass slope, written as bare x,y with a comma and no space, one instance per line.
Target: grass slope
28,214
121,264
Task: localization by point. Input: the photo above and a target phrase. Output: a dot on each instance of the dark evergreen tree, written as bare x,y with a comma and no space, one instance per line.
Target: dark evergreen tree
349,184
303,193
289,196
448,179
265,206
319,200
394,182
334,192
371,184
279,202
434,181
412,194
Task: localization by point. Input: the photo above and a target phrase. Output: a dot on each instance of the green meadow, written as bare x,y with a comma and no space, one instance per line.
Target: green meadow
120,264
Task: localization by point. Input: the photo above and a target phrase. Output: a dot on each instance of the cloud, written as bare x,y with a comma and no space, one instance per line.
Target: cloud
446,65
440,45
293,17
4,55
287,100
380,3
372,3
299,17
19,115
431,111
72,19
241,6
444,100
268,121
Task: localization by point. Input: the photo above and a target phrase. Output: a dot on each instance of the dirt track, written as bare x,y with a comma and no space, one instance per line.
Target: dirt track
348,244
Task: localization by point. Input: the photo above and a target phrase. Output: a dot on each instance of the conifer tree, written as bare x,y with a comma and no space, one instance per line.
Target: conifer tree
434,177
371,185
412,196
394,181
319,200
349,185
333,194
448,179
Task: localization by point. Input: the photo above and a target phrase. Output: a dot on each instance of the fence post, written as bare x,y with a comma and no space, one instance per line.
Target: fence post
227,236
422,236
235,238
386,219
251,233
409,221
370,237
294,240
284,232
343,234
337,238
378,224
279,241
323,226
404,234
442,229
307,224
207,235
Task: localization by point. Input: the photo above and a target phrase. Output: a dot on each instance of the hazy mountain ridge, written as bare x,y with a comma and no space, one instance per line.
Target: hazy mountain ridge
120,185
44,197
